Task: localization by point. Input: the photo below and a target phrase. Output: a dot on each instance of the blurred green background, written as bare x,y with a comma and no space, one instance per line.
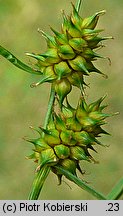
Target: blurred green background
21,106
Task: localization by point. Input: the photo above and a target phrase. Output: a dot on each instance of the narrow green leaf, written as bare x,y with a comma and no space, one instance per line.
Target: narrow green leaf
80,183
117,191
10,57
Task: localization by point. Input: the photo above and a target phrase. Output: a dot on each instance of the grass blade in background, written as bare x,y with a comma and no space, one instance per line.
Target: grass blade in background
116,191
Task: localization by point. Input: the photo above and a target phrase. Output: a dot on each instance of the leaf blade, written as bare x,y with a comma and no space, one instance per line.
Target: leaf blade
80,183
15,61
116,191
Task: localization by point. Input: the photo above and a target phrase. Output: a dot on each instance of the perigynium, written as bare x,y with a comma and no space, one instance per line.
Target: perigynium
69,133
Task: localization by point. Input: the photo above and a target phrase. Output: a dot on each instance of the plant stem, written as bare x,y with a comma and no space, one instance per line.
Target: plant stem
38,182
117,191
80,183
50,106
42,174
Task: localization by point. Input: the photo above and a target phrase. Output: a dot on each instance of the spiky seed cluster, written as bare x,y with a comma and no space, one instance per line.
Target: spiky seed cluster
69,136
70,53
71,132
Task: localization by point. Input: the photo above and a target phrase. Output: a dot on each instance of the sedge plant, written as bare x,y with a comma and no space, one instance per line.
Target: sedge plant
68,133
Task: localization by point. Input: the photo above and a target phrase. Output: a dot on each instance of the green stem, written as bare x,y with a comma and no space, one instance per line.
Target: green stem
50,106
42,174
80,183
38,182
117,191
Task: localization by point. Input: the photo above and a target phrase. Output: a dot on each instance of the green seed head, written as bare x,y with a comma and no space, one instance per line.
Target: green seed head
70,132
70,53
70,135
